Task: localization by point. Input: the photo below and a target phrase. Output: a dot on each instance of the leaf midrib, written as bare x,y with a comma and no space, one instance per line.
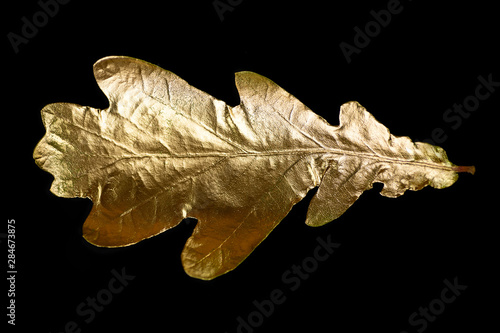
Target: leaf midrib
299,151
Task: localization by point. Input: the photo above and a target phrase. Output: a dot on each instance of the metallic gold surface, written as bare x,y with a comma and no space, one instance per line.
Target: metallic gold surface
164,151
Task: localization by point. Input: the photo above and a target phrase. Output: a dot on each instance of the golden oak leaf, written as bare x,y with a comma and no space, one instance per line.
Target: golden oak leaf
164,151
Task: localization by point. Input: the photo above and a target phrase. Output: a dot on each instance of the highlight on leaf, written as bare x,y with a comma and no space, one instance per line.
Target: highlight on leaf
164,151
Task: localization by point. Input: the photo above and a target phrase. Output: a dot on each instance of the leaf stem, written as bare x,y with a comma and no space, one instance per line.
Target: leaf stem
470,169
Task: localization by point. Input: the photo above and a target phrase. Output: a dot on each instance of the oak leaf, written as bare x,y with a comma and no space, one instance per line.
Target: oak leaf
164,151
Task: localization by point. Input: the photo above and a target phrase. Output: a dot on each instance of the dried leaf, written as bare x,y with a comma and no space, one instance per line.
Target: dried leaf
164,151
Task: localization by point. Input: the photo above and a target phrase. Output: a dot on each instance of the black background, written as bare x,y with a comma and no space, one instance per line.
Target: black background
394,253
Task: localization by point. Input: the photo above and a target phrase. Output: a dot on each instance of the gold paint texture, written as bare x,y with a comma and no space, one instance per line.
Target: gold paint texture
164,151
